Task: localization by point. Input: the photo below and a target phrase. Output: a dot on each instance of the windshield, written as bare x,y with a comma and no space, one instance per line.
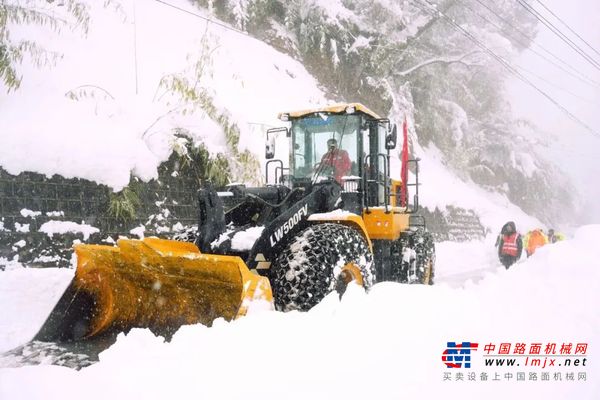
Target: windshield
325,145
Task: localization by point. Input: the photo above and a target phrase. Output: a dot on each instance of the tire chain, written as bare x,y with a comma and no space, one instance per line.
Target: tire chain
425,250
301,278
421,241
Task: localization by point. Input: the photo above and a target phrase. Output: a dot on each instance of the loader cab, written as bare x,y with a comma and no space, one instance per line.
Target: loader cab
359,162
324,146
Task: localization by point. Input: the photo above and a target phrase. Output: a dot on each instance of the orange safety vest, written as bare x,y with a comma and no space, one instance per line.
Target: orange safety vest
509,246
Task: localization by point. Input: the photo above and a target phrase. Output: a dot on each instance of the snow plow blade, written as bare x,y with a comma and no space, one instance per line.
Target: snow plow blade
150,283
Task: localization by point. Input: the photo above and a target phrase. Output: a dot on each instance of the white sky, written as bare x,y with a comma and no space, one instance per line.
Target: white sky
574,149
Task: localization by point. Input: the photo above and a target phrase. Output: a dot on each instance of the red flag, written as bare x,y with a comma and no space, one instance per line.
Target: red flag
404,170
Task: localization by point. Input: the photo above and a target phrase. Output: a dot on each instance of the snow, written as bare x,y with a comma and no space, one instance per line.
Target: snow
31,214
52,228
390,339
31,294
123,123
459,120
332,215
526,164
46,259
439,188
20,243
360,42
139,231
23,228
244,240
8,265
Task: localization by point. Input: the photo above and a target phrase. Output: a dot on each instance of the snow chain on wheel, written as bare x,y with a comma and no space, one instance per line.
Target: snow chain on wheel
413,258
425,252
309,267
424,262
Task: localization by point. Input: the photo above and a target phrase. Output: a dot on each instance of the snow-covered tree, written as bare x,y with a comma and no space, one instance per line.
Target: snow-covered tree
66,14
240,12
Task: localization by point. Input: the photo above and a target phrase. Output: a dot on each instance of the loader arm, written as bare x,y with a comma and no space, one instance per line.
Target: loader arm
322,198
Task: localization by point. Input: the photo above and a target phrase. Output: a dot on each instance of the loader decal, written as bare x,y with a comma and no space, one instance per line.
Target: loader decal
262,262
288,225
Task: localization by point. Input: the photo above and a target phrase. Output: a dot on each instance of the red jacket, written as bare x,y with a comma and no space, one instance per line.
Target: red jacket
340,161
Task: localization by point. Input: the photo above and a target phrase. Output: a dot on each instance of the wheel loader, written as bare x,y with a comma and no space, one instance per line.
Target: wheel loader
309,231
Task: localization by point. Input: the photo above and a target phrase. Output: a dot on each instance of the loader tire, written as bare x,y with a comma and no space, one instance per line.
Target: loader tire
425,250
413,258
309,267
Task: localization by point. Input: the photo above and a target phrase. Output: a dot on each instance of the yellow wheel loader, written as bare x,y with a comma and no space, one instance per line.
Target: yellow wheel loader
331,216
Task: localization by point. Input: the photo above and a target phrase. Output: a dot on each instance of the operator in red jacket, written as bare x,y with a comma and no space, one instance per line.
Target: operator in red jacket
337,159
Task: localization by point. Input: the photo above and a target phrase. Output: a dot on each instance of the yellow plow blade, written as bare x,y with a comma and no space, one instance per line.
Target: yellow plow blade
152,283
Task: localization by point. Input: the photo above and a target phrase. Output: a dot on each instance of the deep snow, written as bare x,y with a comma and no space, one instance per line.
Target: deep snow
384,344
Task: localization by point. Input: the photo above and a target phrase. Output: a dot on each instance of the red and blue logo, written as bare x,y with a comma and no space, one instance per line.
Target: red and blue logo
458,355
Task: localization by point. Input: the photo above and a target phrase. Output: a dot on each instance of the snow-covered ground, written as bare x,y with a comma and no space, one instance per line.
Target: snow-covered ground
386,344
460,264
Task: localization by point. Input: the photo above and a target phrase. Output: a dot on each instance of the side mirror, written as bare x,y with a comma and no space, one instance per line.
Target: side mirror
270,146
391,138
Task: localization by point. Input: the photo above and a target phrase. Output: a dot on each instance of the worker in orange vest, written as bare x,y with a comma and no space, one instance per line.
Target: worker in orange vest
510,245
533,240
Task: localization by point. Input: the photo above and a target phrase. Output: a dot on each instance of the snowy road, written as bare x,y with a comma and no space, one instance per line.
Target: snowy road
458,263
390,340
32,292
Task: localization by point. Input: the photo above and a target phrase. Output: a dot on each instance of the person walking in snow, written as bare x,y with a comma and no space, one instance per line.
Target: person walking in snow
510,245
554,237
533,240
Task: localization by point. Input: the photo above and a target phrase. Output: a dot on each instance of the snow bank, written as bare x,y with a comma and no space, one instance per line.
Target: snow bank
462,263
27,297
52,228
439,188
121,122
386,344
